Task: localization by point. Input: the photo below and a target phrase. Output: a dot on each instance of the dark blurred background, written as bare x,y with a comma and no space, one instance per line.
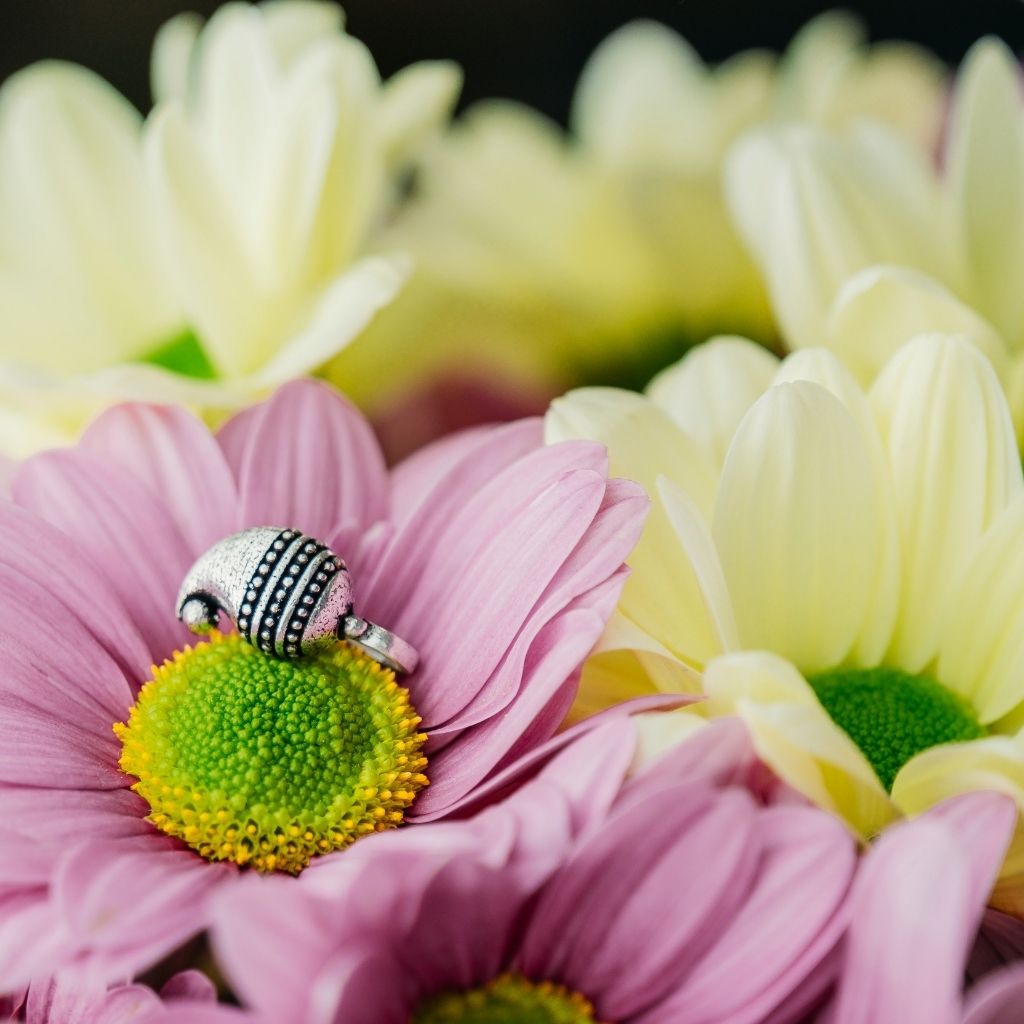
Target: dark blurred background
530,50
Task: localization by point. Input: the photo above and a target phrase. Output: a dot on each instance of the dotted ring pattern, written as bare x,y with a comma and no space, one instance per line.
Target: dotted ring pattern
282,593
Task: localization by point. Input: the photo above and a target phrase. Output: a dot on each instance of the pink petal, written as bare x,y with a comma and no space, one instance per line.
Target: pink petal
720,754
193,985
306,458
66,673
73,590
63,816
548,672
451,470
792,918
31,938
25,863
939,867
498,559
470,908
8,466
61,1001
527,766
43,749
10,1005
440,541
177,458
998,999
625,919
591,576
38,825
468,912
199,1013
121,528
591,768
354,980
276,937
363,935
269,942
129,904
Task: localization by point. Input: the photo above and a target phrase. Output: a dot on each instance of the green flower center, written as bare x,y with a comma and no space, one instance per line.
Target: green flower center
509,999
892,715
268,762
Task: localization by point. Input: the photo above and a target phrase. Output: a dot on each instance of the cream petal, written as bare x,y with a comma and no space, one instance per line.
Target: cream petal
955,468
902,84
1015,393
235,73
75,229
292,28
814,209
814,58
345,308
794,735
607,680
798,529
294,170
985,161
822,367
830,74
674,601
743,91
203,242
24,432
172,55
643,99
643,443
414,105
629,662
297,25
664,593
996,763
881,307
711,388
48,411
708,603
354,183
981,652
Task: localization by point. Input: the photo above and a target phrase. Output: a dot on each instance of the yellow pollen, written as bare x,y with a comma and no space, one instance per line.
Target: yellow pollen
508,999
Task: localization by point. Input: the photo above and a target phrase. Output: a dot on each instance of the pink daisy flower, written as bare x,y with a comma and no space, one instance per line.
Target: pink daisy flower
187,998
499,559
915,915
676,896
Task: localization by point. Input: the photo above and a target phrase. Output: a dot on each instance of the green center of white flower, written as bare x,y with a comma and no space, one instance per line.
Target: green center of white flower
183,354
892,715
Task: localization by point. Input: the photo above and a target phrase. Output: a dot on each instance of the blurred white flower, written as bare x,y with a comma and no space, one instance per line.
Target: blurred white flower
223,247
80,279
603,254
863,241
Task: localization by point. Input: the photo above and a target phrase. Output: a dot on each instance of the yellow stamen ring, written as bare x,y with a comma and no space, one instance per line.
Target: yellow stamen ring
267,762
508,999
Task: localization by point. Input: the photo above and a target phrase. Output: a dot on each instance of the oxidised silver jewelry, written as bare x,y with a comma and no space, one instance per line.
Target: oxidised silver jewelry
287,594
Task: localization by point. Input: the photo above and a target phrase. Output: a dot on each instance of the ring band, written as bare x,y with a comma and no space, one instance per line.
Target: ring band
379,643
